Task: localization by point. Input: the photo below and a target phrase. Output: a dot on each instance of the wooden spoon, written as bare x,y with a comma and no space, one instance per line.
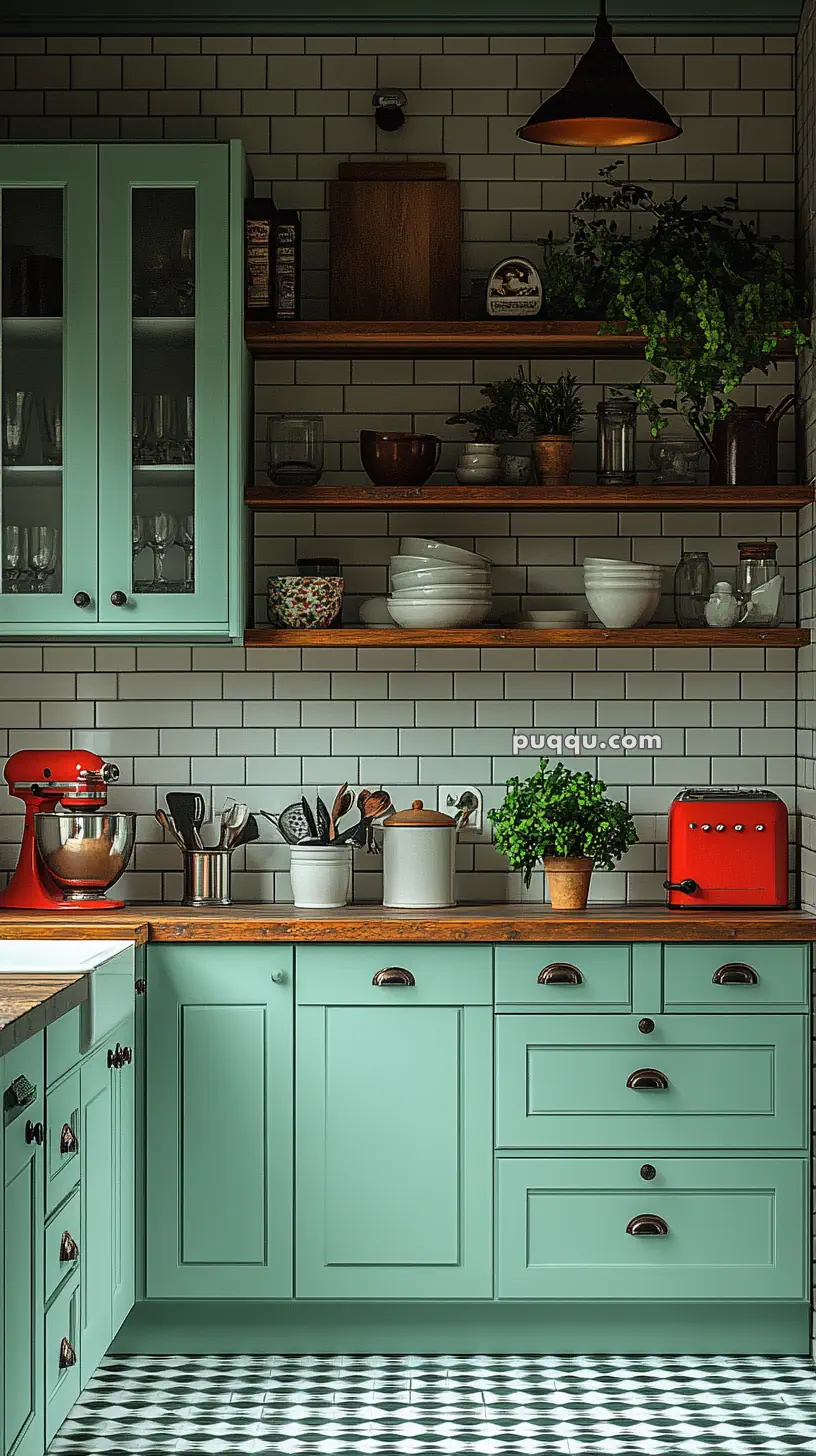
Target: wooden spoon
343,801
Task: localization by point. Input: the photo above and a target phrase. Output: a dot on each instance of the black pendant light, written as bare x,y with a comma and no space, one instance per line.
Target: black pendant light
602,105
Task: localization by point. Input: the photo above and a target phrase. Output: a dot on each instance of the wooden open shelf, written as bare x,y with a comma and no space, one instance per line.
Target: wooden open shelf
351,338
360,636
362,495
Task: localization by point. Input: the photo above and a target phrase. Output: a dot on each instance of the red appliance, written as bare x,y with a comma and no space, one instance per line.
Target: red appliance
727,848
73,778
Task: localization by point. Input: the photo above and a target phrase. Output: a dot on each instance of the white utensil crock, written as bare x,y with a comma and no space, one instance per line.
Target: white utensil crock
320,875
419,848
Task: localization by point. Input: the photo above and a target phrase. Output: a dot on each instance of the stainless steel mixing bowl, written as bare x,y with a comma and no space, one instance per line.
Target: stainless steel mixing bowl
85,853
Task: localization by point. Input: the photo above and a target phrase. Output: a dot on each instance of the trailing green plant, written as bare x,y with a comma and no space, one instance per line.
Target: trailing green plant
712,297
551,408
497,420
560,813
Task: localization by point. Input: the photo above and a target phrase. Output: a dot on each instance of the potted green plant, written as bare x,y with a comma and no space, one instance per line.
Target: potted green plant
553,413
711,296
568,821
489,426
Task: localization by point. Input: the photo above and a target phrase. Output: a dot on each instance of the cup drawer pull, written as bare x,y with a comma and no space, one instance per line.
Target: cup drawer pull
736,973
647,1079
393,976
69,1249
560,973
69,1142
67,1355
647,1225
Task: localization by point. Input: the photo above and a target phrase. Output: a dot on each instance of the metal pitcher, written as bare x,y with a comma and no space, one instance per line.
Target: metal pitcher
743,446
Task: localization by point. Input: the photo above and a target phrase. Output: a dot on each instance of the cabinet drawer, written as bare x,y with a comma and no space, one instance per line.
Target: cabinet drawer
732,1082
26,1104
63,1242
62,1050
61,1140
735,1228
343,975
565,977
61,1358
735,977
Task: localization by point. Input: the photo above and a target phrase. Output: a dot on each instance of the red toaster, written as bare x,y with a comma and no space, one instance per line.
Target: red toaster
726,848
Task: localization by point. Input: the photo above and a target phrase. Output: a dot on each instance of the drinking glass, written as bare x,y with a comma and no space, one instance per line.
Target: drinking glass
167,430
49,408
294,448
187,408
693,585
16,418
186,539
43,545
15,556
162,532
139,532
143,453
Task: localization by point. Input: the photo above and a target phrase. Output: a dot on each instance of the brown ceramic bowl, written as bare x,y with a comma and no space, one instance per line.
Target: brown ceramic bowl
398,458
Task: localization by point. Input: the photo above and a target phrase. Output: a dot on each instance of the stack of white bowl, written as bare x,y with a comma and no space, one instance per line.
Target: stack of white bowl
436,585
622,593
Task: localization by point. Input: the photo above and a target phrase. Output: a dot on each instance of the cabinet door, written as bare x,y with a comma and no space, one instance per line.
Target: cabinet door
96,1141
21,1411
48,364
394,1152
165,320
123,1170
219,1122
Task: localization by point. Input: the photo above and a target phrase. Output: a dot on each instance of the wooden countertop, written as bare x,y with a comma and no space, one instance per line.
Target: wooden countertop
30,1002
479,923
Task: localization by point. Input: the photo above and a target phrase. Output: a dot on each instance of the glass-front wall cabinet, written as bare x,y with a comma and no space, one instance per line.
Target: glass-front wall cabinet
122,376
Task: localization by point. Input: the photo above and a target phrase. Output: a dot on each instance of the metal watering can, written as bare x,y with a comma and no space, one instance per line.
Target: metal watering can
743,445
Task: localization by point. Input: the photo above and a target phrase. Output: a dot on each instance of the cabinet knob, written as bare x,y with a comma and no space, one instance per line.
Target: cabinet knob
736,973
126,1056
141,986
118,599
646,1025
115,1057
69,1141
35,1133
393,976
560,973
647,1225
67,1355
647,1079
82,600
648,1172
69,1249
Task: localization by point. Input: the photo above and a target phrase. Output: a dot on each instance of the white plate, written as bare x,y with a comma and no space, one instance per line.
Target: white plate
440,551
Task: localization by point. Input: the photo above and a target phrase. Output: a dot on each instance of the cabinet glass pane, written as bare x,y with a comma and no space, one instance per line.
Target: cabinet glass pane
32,375
163,405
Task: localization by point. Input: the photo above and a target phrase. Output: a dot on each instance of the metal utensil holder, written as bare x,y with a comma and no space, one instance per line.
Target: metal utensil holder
207,876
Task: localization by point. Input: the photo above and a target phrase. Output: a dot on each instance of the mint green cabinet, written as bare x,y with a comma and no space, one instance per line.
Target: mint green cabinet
219,1122
22,1278
393,1136
719,1228
107,1194
123,487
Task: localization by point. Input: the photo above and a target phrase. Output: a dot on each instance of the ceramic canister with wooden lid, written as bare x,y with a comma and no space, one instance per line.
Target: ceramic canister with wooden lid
419,849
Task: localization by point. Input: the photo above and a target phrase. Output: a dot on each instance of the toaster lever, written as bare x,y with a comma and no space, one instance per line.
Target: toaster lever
688,887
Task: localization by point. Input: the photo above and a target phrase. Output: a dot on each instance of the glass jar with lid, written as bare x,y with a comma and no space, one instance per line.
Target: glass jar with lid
693,585
760,587
617,436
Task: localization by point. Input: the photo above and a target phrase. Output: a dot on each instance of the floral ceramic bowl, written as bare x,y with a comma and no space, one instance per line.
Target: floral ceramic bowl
303,601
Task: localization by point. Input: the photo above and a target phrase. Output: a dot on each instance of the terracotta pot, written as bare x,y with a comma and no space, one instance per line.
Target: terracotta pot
552,458
568,881
397,457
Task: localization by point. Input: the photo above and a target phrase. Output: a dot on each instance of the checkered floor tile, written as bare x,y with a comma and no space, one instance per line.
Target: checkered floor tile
380,1406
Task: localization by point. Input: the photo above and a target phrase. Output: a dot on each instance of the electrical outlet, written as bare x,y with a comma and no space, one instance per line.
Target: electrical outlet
453,798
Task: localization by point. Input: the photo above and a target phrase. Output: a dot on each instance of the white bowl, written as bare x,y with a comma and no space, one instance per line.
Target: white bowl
411,563
615,561
437,614
622,607
440,551
374,612
441,576
477,475
614,567
623,579
443,594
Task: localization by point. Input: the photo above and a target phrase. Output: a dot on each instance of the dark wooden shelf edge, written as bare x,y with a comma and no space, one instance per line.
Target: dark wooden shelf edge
364,496
526,637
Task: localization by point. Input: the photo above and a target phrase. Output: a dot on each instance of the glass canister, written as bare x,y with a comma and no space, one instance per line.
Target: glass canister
675,461
294,449
617,437
760,587
693,585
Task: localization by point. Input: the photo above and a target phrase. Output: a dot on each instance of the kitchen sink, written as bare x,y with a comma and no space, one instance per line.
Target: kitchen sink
42,957
109,965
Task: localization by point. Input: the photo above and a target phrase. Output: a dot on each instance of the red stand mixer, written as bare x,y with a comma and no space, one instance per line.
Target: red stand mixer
86,850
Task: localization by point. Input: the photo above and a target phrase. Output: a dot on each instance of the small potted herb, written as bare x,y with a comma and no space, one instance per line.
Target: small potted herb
489,426
566,820
553,412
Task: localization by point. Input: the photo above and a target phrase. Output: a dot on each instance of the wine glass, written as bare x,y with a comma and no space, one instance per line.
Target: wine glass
166,427
139,529
187,407
186,539
15,556
16,418
142,423
43,545
49,408
162,532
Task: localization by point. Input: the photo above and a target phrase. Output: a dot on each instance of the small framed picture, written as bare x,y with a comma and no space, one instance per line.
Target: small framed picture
514,289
